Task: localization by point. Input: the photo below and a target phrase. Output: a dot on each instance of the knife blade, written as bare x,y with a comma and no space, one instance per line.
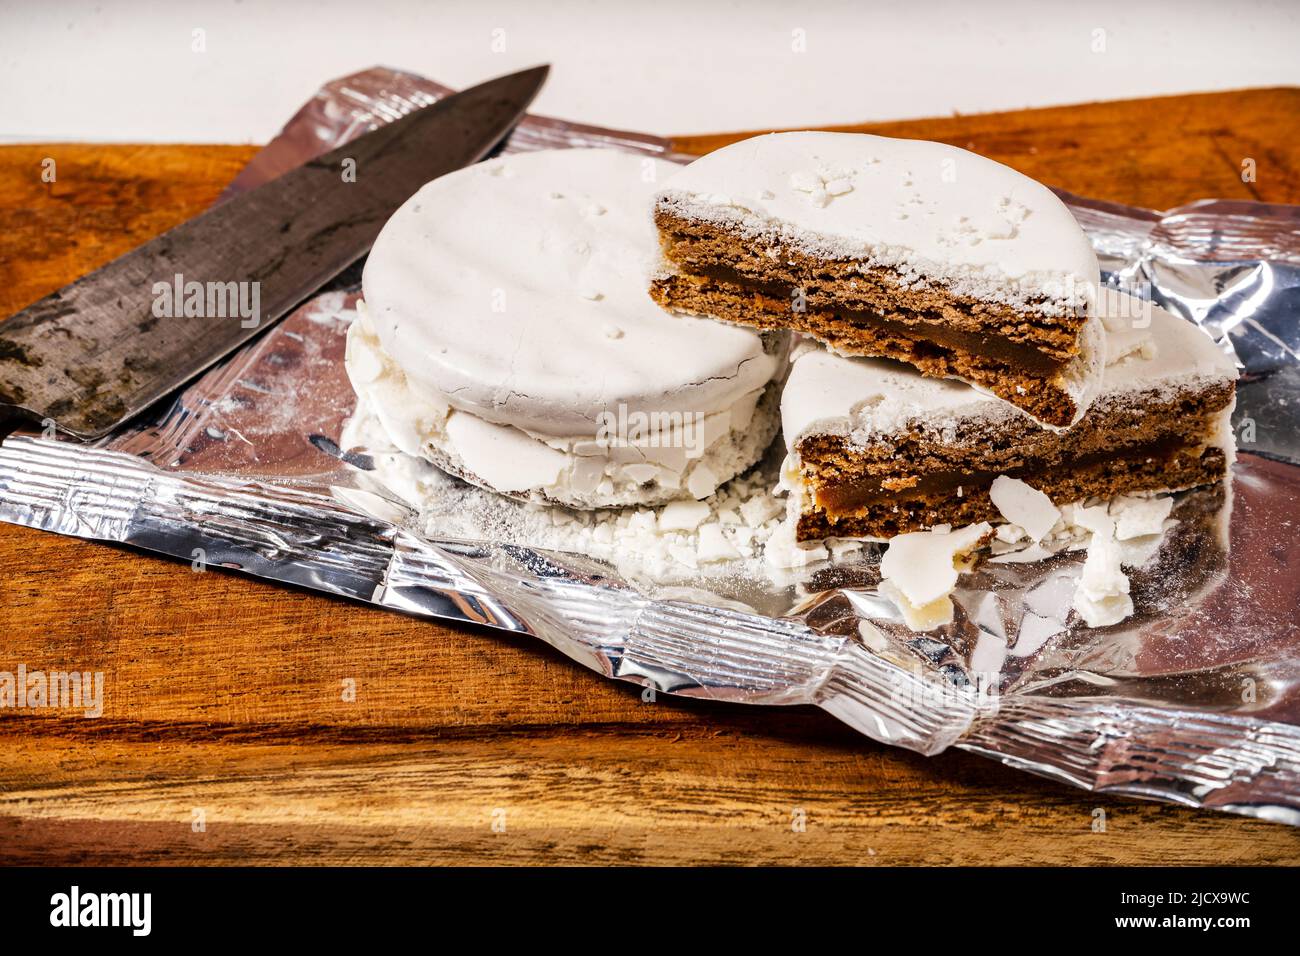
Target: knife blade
105,347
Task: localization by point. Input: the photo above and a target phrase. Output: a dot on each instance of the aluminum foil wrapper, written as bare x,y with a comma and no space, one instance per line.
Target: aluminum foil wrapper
1195,699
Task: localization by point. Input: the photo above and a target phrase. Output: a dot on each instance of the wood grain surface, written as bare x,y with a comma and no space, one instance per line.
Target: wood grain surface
1159,152
226,736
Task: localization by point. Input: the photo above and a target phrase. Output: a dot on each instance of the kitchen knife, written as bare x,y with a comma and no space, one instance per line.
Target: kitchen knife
104,348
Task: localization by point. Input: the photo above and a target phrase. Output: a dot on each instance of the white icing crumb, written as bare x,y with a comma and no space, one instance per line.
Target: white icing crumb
840,547
714,546
702,481
612,331
1126,533
822,185
758,511
682,515
1135,517
708,537
1032,552
924,618
919,571
783,552
1009,533
1025,506
1102,596
872,636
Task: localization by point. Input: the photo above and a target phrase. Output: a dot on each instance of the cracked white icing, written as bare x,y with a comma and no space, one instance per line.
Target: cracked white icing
689,460
1024,506
679,542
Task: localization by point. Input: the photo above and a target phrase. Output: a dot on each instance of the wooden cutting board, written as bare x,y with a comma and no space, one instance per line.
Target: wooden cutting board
225,737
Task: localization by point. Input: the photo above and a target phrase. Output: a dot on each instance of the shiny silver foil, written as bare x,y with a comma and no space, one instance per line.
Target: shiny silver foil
1195,699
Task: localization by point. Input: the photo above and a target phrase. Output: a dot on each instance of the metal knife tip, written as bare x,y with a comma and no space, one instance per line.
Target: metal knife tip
537,74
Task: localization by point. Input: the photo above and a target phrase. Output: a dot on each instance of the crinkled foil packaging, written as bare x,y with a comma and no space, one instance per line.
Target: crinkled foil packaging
1195,699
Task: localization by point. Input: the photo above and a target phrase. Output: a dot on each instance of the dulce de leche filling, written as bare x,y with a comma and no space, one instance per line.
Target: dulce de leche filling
847,496
925,329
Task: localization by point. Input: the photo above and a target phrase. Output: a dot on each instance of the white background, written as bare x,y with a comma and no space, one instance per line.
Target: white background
126,71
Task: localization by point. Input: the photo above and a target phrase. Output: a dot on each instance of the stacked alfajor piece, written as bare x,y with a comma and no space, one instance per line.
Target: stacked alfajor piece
956,334
506,337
